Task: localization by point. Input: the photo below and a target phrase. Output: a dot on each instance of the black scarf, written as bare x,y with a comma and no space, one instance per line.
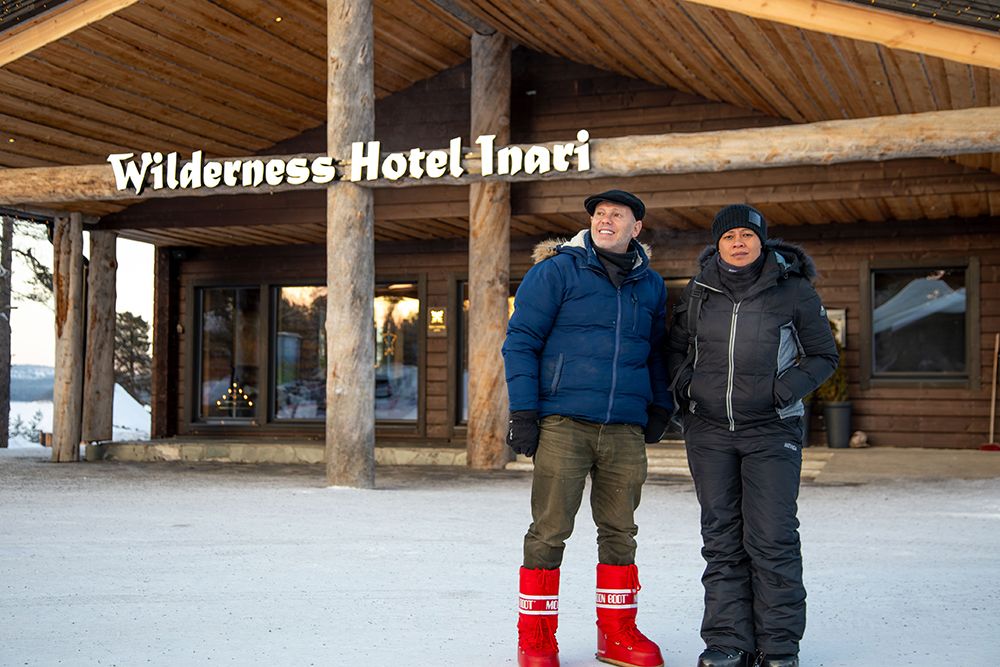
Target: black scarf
737,280
617,264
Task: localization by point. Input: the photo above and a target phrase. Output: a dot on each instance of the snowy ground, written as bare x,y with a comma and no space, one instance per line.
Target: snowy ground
130,420
172,564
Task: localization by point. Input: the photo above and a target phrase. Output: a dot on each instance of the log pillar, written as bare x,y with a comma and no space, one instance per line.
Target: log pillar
99,375
350,251
489,260
67,396
6,256
166,296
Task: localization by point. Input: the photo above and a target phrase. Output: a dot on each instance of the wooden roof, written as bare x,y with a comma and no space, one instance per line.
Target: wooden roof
235,77
970,13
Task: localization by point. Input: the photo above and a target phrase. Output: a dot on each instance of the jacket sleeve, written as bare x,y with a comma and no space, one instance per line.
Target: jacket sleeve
819,351
536,306
659,378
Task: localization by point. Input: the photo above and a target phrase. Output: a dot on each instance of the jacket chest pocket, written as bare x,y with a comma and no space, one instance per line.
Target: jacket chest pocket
642,317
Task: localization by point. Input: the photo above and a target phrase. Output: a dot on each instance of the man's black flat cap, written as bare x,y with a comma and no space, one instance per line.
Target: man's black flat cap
618,197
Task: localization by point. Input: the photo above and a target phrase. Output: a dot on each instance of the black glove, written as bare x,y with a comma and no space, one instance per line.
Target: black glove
522,432
657,419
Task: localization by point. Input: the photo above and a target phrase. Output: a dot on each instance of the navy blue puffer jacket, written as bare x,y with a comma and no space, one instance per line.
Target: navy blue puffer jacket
579,347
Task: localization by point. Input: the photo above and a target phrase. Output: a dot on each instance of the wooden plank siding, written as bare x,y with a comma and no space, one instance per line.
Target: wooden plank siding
895,415
899,414
838,212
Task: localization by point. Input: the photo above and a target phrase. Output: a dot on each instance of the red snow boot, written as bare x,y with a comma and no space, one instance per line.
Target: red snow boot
619,642
538,618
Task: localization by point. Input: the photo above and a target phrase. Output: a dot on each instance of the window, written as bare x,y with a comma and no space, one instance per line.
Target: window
229,325
229,334
463,346
921,322
300,353
397,352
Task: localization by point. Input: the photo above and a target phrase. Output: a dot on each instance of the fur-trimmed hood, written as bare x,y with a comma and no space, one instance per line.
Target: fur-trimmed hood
789,257
550,247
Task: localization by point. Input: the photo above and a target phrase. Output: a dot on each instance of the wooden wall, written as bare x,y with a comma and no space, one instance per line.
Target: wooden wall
552,99
897,415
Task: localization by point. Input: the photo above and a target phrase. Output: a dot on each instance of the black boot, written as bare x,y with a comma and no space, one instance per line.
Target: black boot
778,661
719,656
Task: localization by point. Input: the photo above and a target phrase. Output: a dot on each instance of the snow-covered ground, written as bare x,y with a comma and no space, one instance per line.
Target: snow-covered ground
130,420
172,564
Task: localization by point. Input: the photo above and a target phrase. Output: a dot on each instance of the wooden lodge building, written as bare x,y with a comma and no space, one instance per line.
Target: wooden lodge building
868,132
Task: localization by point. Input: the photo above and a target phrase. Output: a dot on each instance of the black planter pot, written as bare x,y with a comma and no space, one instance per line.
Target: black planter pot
837,417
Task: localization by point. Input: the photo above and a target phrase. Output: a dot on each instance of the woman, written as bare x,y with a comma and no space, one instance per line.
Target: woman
749,339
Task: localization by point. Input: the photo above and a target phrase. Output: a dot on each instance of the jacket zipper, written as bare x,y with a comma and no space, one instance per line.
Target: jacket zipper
732,359
732,366
614,363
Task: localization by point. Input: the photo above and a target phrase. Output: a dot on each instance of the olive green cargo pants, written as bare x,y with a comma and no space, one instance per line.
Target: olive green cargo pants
614,455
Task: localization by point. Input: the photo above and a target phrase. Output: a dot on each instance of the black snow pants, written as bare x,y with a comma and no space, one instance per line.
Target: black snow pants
747,484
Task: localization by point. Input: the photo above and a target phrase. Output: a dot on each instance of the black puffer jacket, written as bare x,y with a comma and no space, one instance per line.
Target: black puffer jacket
754,359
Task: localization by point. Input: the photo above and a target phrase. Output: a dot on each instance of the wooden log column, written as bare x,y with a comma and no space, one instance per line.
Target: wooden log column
166,296
350,252
67,397
489,260
99,374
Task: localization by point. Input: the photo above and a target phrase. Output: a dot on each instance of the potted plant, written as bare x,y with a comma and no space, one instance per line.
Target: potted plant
836,407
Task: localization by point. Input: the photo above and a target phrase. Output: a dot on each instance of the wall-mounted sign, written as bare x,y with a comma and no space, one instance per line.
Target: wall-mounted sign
158,170
437,321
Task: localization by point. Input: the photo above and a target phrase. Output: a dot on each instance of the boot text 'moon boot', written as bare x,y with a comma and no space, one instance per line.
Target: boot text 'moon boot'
538,618
619,641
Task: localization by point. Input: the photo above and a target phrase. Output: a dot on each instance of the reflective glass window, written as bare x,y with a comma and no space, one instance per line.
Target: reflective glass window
919,322
300,353
228,370
397,351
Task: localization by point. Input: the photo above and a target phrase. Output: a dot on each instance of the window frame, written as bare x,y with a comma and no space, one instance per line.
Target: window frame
866,345
194,417
263,420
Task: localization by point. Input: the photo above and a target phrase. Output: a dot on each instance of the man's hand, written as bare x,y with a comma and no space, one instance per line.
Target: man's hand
657,419
522,432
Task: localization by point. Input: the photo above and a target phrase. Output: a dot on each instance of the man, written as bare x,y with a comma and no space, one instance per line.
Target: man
588,388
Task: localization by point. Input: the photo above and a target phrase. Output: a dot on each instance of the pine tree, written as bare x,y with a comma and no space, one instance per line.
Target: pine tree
133,362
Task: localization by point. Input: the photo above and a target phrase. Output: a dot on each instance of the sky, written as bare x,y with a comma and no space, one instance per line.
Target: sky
33,338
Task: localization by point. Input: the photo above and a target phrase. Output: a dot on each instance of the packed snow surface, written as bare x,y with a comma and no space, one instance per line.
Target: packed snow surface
175,564
130,420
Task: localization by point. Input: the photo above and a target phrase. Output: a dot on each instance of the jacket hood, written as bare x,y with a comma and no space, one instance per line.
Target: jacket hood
789,257
550,247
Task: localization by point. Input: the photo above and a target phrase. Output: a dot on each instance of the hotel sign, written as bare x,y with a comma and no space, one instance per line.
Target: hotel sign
160,171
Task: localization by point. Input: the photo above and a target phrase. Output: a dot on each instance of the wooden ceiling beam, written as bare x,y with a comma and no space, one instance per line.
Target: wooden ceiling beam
54,25
930,134
871,24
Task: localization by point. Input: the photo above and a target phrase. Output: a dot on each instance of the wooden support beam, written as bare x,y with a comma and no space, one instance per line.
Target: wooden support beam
67,395
350,252
6,249
872,24
99,375
166,295
930,134
54,25
489,260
